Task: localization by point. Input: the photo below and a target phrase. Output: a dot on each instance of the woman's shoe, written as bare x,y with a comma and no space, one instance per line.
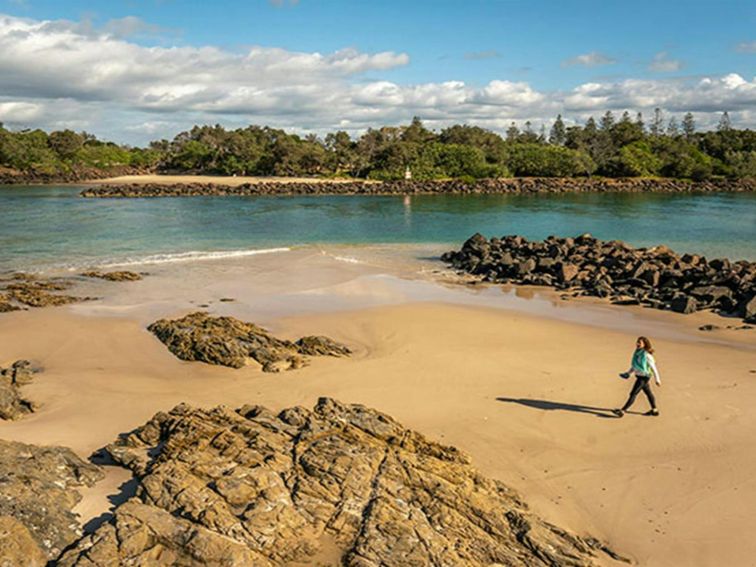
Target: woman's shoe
618,412
652,412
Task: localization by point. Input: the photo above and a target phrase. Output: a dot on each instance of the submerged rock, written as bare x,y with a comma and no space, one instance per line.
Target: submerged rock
249,487
118,276
12,404
38,489
227,341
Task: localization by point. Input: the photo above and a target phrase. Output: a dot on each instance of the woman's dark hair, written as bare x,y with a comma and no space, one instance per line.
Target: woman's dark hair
646,345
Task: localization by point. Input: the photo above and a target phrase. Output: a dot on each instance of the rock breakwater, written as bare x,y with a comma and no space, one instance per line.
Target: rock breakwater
655,277
510,185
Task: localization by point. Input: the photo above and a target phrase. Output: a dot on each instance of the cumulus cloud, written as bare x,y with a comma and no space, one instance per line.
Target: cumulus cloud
19,111
662,63
130,26
481,55
60,74
746,47
592,59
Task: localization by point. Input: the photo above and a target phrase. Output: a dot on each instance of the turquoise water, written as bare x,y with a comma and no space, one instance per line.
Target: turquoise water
50,227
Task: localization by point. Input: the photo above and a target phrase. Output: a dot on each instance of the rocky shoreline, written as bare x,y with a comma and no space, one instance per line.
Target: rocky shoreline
654,277
483,186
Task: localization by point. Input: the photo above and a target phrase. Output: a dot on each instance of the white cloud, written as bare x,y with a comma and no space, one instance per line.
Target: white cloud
19,111
592,59
661,63
746,47
64,74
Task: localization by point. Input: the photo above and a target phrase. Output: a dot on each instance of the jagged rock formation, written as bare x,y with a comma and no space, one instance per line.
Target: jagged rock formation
230,342
655,277
510,185
248,487
118,276
38,490
12,404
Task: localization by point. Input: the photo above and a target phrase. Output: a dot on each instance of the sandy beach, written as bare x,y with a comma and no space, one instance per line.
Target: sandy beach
230,180
521,381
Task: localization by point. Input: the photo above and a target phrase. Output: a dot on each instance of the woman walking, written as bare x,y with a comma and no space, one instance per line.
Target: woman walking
643,366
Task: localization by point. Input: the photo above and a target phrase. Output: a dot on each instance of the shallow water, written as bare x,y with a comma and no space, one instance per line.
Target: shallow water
52,227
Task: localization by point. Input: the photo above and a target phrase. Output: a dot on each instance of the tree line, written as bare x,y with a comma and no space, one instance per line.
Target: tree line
612,147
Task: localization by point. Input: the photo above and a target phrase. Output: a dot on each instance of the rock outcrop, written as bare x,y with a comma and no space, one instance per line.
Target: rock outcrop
509,185
5,304
249,487
17,545
38,490
230,342
117,276
34,291
12,404
655,277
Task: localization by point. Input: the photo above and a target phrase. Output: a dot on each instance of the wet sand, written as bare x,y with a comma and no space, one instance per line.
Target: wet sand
523,383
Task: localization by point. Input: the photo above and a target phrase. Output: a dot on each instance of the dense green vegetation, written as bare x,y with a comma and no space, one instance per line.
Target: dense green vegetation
63,152
624,147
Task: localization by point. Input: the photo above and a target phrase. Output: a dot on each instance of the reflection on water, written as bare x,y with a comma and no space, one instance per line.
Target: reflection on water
52,226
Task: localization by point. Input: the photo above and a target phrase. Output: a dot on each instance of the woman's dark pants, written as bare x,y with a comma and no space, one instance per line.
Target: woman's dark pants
641,383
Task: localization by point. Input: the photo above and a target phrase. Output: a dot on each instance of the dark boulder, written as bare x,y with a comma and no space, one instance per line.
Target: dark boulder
684,304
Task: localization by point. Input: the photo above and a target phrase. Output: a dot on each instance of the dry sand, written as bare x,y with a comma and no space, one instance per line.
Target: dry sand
233,181
525,394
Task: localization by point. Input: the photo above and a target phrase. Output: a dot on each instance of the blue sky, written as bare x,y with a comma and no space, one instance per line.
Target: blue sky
529,60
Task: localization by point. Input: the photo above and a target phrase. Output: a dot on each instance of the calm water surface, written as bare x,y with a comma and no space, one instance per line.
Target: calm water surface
51,227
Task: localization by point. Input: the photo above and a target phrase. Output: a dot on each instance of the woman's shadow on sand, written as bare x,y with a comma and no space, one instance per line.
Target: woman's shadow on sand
546,405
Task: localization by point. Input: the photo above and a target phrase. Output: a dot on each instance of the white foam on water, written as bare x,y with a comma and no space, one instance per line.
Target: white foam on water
193,256
348,259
